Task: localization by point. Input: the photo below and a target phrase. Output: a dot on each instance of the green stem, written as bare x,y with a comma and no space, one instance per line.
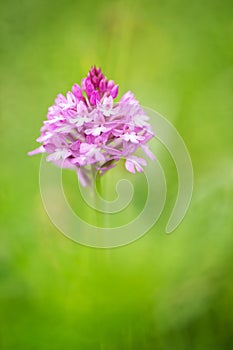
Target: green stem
97,189
101,218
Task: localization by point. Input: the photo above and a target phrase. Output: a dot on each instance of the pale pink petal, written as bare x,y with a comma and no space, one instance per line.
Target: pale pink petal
130,166
36,151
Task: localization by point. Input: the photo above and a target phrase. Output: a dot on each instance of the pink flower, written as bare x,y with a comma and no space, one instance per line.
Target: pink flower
132,137
106,107
87,129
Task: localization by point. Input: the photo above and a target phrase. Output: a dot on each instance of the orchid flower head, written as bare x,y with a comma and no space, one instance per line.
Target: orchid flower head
88,128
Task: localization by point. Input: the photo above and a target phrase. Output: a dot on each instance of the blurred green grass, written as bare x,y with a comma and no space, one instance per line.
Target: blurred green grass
160,292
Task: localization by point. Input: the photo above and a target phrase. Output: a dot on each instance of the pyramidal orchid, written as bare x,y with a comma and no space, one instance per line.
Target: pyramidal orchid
87,129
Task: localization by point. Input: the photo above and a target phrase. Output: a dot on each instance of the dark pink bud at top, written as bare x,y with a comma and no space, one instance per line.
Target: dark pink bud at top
100,76
95,81
77,91
94,98
114,91
110,84
92,72
102,85
89,87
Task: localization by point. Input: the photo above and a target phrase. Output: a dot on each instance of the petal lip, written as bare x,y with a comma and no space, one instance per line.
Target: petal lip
37,151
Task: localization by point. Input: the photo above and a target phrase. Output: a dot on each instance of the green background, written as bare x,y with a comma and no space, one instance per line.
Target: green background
162,291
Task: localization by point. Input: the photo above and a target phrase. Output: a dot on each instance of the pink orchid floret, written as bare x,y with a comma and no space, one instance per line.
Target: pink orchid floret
87,129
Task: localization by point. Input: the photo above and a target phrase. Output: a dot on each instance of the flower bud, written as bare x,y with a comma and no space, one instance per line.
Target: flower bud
114,91
94,98
89,87
110,84
102,85
77,91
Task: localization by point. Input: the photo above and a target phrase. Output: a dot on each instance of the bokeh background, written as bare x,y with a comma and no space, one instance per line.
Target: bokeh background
162,291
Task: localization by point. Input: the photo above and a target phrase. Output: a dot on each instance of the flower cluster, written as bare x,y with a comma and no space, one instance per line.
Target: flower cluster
86,130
